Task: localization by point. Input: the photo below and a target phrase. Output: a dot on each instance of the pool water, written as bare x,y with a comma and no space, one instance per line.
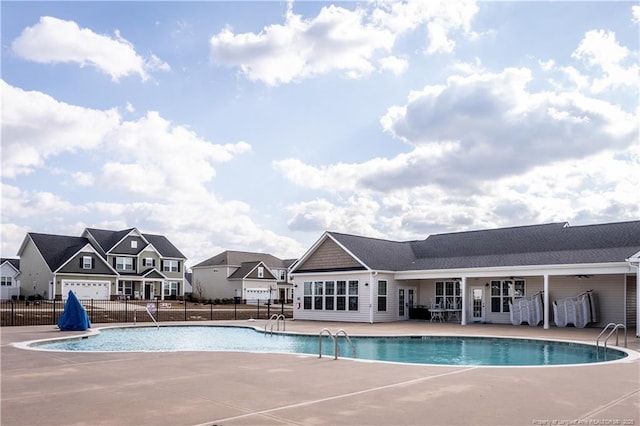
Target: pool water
415,349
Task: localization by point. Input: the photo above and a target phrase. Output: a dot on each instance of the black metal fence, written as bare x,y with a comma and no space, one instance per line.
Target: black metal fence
47,312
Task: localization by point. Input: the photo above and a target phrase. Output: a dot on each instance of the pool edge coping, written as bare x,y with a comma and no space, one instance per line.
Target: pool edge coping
632,355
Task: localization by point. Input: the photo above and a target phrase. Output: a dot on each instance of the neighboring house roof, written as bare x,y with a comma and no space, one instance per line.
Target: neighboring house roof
246,268
15,263
288,262
163,246
107,239
548,244
57,249
237,258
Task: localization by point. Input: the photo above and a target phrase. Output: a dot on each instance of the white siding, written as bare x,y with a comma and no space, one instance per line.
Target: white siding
609,291
214,283
361,315
34,272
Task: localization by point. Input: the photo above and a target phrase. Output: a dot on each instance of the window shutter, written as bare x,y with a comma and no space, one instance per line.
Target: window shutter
93,263
134,264
153,263
178,266
81,262
162,265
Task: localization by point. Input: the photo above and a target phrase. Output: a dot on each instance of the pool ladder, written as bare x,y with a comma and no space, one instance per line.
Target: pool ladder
614,329
334,337
277,318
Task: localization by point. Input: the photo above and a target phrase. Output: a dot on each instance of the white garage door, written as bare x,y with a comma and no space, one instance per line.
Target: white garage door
97,290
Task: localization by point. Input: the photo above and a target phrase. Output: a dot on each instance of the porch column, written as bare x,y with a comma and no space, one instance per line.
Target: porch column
546,301
463,306
371,284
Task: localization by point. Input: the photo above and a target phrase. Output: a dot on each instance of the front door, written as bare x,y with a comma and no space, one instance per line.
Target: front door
148,291
406,299
477,304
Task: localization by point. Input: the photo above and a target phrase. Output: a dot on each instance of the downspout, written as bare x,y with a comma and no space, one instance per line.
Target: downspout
463,303
635,263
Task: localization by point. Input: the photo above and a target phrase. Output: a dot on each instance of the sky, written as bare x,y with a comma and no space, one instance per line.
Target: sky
258,126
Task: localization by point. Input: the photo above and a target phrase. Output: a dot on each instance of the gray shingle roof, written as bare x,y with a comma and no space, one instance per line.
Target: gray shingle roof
164,246
246,268
108,239
237,258
57,249
548,244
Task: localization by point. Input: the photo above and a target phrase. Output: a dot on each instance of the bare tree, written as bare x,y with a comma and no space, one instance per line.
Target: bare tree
198,290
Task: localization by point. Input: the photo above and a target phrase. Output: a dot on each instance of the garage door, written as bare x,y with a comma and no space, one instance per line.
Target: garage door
97,290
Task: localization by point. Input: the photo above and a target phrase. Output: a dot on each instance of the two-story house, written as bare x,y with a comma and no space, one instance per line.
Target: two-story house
246,275
9,284
101,264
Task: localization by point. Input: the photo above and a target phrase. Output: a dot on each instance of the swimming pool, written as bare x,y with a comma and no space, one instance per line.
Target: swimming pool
440,350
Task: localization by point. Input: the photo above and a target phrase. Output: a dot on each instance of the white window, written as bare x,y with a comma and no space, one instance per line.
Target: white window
124,263
125,288
382,296
170,266
260,272
171,288
331,295
283,275
87,262
148,261
134,244
448,294
6,281
503,292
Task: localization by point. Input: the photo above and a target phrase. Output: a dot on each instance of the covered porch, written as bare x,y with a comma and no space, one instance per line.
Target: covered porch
484,296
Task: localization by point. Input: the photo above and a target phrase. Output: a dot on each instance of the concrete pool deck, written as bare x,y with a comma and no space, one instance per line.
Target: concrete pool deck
216,388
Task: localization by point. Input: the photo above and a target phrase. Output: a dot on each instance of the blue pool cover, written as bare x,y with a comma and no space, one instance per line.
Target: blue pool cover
74,317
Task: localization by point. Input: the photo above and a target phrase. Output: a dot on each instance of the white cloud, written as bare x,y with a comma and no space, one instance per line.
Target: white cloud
501,128
24,204
635,14
338,39
596,189
154,157
394,64
83,178
358,215
484,151
35,127
164,166
601,50
54,40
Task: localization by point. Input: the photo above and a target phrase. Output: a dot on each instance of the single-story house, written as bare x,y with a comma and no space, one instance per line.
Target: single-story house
476,275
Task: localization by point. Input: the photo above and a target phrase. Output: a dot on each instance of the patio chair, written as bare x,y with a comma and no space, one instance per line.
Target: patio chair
437,313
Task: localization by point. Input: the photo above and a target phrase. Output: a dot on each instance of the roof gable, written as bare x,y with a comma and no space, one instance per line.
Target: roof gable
106,239
329,254
249,270
163,246
57,249
237,258
14,263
